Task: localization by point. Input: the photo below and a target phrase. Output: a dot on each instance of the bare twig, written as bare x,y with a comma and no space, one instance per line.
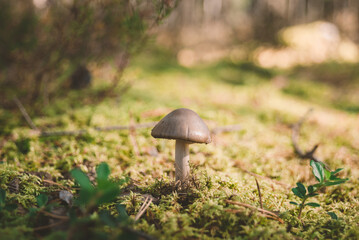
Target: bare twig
143,208
259,193
267,213
54,215
51,225
295,135
24,113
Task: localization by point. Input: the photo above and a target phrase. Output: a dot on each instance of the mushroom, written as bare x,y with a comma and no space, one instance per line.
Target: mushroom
186,127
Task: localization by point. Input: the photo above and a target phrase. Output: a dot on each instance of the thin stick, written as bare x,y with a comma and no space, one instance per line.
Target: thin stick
24,113
100,129
132,136
55,183
259,193
143,208
51,225
54,215
263,211
295,135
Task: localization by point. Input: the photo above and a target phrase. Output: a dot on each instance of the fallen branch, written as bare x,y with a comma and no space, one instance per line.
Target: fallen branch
295,135
264,212
24,113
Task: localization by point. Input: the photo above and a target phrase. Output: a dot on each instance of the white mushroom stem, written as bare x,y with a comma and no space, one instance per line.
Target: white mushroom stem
182,160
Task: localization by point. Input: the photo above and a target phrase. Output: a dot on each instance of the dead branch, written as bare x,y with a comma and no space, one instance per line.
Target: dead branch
264,212
295,135
24,113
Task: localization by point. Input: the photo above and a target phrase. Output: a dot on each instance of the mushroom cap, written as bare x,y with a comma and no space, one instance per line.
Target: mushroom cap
182,124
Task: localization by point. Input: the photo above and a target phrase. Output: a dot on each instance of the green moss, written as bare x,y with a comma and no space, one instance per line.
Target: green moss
223,94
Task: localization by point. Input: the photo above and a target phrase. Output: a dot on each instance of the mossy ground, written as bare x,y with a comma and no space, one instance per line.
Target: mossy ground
264,102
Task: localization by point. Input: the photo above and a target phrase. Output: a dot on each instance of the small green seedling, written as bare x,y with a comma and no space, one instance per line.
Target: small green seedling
325,178
104,191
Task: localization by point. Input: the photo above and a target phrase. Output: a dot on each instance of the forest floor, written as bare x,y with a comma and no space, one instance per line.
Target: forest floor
258,107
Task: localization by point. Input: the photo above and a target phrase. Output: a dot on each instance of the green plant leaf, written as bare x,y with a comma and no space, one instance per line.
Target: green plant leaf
82,179
333,215
42,200
103,171
310,189
122,214
108,195
297,192
10,207
301,188
327,174
107,218
294,203
312,194
312,204
318,170
336,171
336,182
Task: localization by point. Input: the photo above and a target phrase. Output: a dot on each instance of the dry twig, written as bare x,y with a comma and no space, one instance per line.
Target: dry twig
264,212
51,225
259,193
295,135
132,136
24,113
143,208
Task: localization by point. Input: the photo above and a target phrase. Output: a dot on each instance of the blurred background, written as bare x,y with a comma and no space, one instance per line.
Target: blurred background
51,48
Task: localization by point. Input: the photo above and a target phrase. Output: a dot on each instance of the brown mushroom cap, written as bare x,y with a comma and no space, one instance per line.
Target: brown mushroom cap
182,124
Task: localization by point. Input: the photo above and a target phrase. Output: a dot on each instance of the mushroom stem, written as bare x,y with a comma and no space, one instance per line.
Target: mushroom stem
182,160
